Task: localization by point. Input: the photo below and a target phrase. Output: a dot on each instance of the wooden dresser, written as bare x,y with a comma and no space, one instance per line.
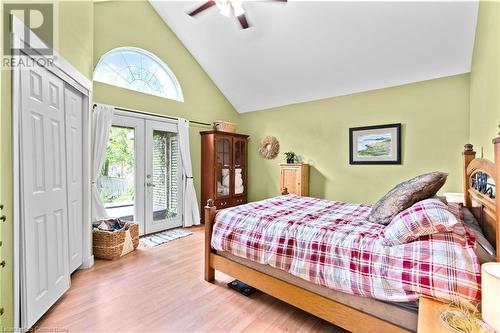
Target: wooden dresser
294,179
223,168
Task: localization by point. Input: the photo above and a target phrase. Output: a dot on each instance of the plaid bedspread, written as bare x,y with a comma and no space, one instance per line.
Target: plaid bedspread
329,243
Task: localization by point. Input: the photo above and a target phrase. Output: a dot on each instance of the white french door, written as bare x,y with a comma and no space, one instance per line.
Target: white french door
121,183
162,196
141,176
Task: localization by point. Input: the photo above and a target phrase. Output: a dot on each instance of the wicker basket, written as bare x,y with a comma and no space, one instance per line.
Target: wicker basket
224,126
110,245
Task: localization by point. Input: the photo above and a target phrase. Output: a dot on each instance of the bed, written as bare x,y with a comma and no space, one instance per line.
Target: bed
366,298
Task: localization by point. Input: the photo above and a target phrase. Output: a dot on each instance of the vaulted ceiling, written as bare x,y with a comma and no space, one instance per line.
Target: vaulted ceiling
302,50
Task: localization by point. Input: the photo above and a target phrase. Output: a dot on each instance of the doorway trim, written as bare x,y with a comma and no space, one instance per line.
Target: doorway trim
71,76
144,116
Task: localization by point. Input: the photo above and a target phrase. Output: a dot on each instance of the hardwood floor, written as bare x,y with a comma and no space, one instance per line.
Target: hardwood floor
161,289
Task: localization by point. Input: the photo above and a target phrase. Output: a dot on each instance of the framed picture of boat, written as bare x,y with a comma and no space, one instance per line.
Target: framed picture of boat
380,144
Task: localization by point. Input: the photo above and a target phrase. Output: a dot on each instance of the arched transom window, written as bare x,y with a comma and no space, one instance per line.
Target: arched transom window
140,70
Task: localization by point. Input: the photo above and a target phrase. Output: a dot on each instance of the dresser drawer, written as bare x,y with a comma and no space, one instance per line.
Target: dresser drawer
239,201
221,204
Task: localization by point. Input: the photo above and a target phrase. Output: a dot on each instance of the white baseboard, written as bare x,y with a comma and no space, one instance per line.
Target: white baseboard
87,263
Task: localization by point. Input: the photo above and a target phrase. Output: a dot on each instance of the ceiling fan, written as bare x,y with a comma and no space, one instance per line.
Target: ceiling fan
226,8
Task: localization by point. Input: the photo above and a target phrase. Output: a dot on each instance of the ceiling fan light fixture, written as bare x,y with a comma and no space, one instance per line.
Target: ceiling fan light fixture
225,12
238,7
225,7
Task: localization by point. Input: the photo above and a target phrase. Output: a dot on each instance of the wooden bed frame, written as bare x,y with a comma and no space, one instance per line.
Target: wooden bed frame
477,199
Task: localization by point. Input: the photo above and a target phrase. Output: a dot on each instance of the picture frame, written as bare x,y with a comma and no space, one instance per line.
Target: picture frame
379,144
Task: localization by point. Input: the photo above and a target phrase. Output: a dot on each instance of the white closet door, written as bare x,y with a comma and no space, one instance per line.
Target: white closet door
73,101
44,193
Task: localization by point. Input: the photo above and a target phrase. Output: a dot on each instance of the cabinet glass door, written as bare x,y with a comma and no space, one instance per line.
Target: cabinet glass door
240,170
223,166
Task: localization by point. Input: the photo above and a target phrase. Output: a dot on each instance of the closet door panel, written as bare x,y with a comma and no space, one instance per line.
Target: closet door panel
43,193
73,101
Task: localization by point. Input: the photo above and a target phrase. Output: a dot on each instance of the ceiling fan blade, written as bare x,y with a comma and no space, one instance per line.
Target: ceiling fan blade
206,5
243,21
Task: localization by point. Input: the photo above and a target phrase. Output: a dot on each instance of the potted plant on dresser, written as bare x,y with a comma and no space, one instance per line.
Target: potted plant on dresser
291,157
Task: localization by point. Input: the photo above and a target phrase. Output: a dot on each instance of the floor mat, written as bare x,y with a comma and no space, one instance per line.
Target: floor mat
163,237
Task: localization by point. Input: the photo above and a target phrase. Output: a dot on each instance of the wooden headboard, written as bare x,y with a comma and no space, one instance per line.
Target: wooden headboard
480,179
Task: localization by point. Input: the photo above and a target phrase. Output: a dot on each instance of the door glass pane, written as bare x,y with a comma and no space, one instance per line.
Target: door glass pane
223,152
116,182
222,182
239,153
239,167
164,176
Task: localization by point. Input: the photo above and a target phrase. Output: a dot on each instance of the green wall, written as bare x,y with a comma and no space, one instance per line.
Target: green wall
434,115
137,24
485,79
76,24
74,42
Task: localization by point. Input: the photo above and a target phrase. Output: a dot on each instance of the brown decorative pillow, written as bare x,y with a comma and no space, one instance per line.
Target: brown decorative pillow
405,195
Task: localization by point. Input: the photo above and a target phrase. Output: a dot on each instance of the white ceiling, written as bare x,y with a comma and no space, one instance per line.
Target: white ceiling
303,51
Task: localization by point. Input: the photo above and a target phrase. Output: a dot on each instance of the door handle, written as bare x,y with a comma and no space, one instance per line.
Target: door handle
150,184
